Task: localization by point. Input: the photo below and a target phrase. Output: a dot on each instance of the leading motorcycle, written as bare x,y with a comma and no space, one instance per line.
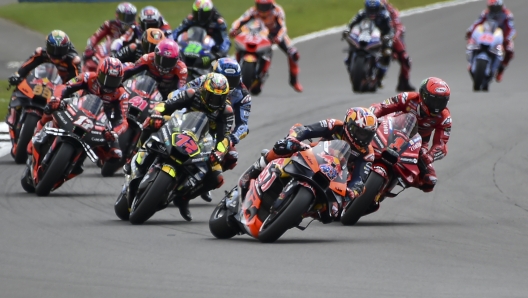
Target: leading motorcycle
27,105
179,161
311,183
485,53
364,51
397,163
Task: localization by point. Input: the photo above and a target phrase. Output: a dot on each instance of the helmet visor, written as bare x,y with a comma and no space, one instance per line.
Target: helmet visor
56,52
436,104
214,101
264,7
165,64
201,16
372,11
361,136
109,82
494,9
126,17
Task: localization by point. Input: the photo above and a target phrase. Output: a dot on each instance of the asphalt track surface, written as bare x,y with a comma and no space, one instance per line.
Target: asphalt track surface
466,239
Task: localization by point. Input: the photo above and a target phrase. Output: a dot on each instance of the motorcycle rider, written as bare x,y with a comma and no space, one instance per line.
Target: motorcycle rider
504,17
131,53
273,17
163,65
205,15
357,129
429,105
60,52
398,49
124,26
149,18
375,11
240,101
211,99
106,84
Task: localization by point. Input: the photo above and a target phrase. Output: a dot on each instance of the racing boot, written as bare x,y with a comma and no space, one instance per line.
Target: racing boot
293,57
379,77
183,205
498,78
206,196
404,85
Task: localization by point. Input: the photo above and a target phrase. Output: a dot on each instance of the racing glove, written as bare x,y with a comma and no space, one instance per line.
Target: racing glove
216,157
156,120
425,156
234,32
53,104
288,146
109,135
15,79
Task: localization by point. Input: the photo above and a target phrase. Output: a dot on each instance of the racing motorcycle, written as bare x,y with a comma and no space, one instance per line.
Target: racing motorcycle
27,105
195,45
64,143
396,165
485,53
311,183
180,153
364,49
143,98
253,53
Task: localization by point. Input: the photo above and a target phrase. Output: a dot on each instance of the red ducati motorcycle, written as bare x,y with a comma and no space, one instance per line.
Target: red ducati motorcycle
253,53
397,147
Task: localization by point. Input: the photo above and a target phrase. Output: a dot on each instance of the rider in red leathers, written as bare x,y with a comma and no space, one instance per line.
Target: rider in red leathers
504,17
106,84
123,26
273,16
163,65
429,105
398,49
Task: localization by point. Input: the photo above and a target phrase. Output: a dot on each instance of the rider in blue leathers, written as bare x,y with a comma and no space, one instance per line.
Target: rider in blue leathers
206,16
240,100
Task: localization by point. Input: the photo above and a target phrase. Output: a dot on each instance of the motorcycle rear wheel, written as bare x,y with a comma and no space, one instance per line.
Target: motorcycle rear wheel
219,223
249,73
361,203
290,214
55,171
151,198
25,135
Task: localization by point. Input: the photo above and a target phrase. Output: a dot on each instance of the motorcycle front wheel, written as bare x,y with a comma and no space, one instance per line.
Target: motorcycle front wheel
55,171
288,216
219,223
149,200
361,203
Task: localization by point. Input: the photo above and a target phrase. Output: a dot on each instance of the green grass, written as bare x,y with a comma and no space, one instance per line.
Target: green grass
80,20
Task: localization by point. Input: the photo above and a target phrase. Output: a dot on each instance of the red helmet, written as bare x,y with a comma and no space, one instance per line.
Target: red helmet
110,74
264,6
360,127
434,95
166,55
495,6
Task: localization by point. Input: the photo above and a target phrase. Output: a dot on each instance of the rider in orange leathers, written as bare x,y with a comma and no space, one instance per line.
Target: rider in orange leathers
429,105
504,17
398,49
273,16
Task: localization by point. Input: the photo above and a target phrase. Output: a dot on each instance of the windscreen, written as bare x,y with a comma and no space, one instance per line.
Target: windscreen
90,103
196,34
142,83
195,122
49,71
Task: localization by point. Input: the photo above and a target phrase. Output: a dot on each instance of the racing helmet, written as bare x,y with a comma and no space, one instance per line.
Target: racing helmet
230,68
360,127
434,95
214,91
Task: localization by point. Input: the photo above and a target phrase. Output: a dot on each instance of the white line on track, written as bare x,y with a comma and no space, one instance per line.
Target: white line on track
6,146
